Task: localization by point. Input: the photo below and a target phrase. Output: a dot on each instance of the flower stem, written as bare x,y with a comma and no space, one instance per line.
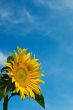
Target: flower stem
5,104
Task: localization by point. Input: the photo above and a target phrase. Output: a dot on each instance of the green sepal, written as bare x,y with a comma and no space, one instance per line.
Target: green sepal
5,76
10,59
4,69
40,100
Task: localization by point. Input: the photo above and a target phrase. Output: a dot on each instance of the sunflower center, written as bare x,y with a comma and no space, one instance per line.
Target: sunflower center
21,74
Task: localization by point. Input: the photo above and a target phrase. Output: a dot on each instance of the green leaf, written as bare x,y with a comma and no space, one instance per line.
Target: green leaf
0,76
1,82
40,100
5,76
2,86
5,85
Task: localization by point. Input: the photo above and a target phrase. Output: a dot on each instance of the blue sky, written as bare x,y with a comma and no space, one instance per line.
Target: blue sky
45,27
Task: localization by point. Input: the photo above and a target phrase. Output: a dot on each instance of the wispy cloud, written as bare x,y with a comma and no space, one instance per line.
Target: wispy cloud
22,15
57,5
26,14
2,58
23,20
5,15
11,20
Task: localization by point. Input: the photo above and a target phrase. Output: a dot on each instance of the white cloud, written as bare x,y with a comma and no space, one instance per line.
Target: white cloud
58,5
2,58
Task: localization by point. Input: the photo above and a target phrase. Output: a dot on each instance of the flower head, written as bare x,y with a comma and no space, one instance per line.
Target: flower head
24,72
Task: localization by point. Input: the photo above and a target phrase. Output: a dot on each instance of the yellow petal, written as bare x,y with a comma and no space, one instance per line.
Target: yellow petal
16,59
36,74
16,84
22,53
36,65
27,56
13,80
19,49
37,91
22,95
35,86
17,89
8,65
38,80
10,74
26,92
31,92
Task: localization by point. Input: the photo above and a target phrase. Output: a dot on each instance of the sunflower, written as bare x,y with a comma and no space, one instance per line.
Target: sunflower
24,73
